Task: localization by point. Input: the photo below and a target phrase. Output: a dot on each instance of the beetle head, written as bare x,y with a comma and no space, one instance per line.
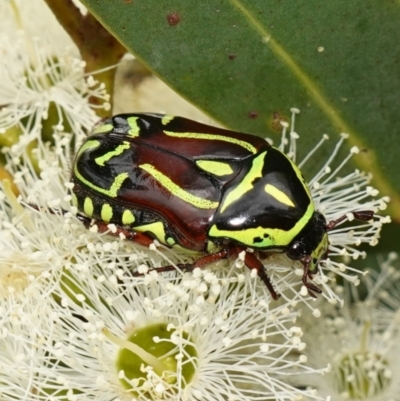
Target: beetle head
311,242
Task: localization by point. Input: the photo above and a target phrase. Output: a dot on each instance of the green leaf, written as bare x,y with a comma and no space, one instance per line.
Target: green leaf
246,62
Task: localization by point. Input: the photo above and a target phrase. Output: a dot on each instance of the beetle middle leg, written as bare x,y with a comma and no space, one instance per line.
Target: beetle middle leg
188,267
250,260
199,263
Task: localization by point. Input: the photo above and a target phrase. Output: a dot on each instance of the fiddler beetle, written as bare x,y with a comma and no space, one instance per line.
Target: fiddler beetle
200,188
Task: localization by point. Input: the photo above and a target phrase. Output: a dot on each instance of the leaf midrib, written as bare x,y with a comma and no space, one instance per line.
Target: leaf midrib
365,162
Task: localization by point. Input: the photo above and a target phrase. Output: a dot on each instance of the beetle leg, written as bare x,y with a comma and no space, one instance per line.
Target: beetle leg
363,215
311,288
200,263
130,235
214,257
165,269
252,262
262,255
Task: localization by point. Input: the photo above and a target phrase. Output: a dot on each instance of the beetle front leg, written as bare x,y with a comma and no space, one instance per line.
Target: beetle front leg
363,215
252,262
311,288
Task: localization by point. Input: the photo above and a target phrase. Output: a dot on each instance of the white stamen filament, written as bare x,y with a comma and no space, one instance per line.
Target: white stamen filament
338,168
321,172
309,154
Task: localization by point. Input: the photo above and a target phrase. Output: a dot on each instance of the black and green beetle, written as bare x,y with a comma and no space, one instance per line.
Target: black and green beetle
200,188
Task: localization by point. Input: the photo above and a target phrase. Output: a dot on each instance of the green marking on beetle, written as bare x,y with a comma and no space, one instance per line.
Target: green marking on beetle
215,167
278,195
106,212
170,241
112,192
127,217
191,252
103,128
157,229
269,237
134,127
176,190
247,182
88,207
109,155
212,248
318,252
167,119
213,137
74,200
91,144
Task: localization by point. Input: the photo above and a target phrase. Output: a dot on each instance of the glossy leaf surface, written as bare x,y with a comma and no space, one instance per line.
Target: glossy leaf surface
246,62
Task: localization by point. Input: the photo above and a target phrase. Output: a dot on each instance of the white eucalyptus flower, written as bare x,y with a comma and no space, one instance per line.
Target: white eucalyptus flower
43,86
360,342
22,355
211,336
76,324
79,282
220,321
37,245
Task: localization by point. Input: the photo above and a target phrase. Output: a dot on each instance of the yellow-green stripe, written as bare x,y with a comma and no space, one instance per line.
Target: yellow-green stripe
177,191
109,155
213,137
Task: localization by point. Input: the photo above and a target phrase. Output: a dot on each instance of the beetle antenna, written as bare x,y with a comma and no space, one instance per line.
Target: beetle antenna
362,215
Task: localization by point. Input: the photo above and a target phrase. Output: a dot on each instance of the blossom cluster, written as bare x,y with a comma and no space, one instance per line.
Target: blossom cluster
76,323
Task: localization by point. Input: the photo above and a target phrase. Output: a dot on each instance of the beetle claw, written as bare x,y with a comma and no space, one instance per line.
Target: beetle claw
312,289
